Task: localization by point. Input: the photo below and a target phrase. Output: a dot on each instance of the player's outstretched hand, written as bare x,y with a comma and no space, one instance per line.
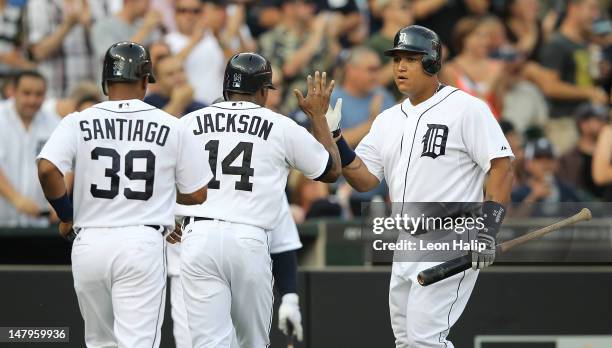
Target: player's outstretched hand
316,102
175,236
289,312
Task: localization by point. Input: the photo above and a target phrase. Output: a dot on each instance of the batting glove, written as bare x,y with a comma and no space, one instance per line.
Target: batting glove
333,117
289,312
484,258
493,214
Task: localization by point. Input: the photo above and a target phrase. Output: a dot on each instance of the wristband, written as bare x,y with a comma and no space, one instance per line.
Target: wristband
493,214
347,155
63,208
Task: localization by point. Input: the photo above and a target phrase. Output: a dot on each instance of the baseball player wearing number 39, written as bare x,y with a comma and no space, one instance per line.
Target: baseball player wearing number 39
132,162
438,145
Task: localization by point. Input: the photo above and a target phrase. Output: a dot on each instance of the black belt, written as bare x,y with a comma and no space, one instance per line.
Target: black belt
73,234
157,228
191,219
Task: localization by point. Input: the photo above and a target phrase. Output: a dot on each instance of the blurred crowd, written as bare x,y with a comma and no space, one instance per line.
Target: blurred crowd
544,68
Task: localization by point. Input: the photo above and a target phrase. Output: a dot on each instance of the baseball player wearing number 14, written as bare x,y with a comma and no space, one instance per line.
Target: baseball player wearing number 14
438,145
129,159
226,270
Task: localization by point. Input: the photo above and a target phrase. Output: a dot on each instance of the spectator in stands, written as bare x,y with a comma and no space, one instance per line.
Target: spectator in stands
315,200
522,102
362,96
395,14
59,42
87,101
299,45
195,43
575,165
235,35
7,88
173,93
516,144
566,55
602,162
602,49
275,95
60,107
472,70
135,22
12,35
349,26
523,28
442,15
24,129
542,186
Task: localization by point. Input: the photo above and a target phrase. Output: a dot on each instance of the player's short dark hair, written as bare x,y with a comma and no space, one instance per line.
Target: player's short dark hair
28,73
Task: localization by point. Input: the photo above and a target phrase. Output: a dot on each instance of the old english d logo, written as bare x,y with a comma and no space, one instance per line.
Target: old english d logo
434,140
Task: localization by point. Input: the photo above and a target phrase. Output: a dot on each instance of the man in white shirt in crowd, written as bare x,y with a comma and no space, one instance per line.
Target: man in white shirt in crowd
24,129
195,42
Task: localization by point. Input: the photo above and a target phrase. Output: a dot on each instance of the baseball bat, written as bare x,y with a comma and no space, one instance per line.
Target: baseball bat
450,268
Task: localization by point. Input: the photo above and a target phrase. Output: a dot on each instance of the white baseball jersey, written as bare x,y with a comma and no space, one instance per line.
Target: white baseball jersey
18,149
437,151
250,150
128,156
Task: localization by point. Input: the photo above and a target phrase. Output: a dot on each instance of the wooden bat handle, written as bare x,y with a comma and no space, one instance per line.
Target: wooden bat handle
460,264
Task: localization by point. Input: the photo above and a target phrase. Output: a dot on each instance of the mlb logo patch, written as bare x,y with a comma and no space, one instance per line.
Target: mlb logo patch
237,80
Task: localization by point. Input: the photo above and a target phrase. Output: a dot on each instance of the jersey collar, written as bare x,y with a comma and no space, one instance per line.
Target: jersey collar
236,105
440,94
121,106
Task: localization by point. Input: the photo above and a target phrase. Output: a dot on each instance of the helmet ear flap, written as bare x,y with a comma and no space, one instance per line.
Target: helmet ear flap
431,66
432,62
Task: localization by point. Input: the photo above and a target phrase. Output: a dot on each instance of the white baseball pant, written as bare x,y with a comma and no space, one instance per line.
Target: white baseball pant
422,316
120,282
226,273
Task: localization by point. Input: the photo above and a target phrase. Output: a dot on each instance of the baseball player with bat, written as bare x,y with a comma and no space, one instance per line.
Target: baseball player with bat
439,145
132,162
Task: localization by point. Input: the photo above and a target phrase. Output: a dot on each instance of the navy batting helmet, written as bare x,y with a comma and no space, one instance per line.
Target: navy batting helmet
247,73
126,61
418,39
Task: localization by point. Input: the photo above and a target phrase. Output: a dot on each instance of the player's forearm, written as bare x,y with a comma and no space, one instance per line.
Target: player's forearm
499,183
284,270
194,198
354,135
321,132
359,177
51,180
